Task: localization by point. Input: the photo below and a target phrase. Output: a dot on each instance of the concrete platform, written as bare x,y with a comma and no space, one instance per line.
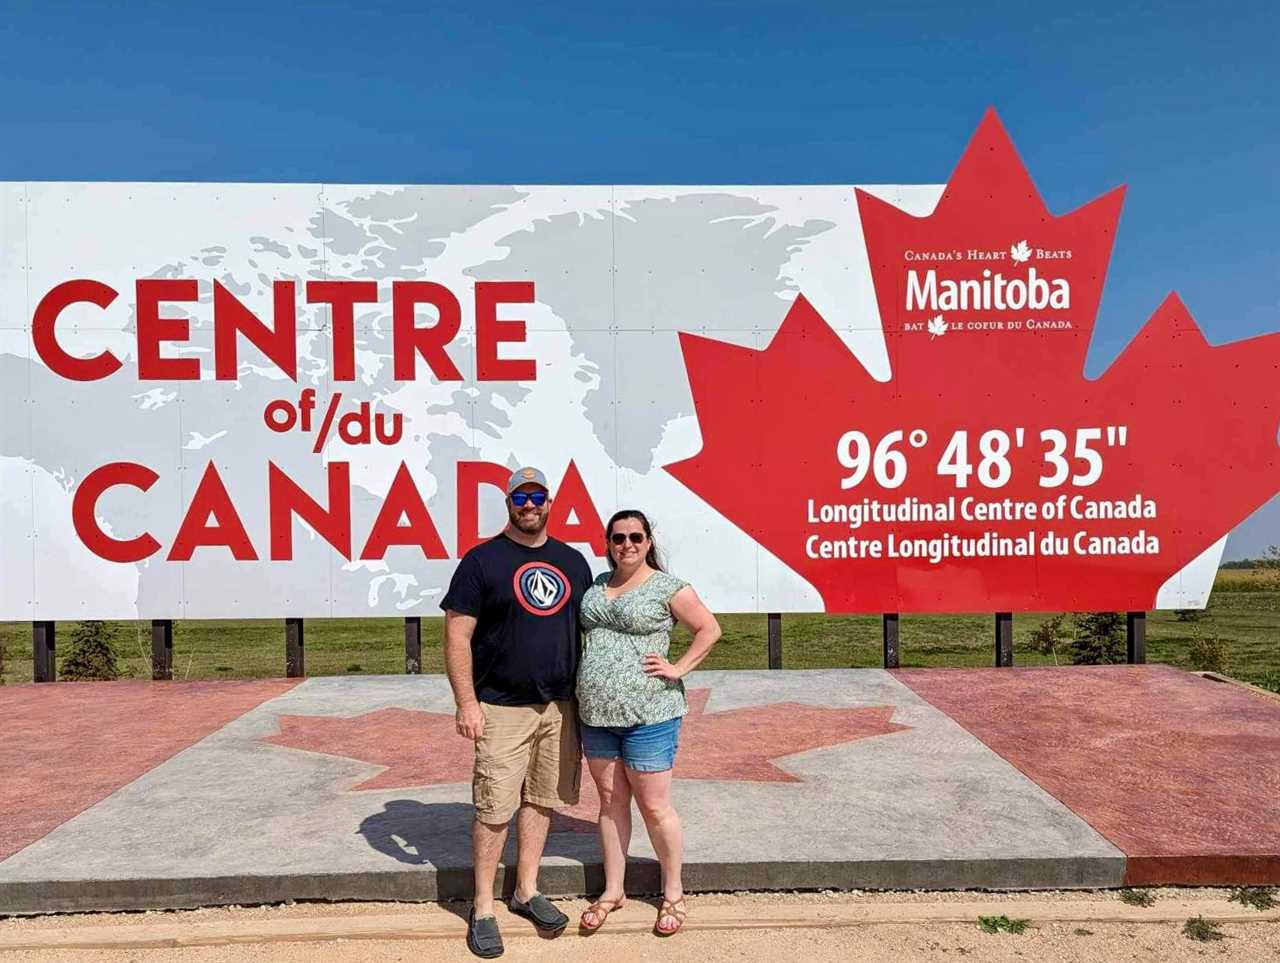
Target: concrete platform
152,795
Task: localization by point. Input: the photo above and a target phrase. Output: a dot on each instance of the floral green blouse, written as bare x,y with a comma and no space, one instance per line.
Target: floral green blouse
612,687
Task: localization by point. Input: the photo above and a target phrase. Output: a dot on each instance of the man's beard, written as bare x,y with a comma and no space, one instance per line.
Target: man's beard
530,524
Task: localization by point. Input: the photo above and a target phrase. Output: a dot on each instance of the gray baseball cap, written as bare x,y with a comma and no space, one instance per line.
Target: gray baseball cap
527,476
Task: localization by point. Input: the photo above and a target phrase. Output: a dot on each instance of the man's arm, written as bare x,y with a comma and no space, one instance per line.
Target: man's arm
458,629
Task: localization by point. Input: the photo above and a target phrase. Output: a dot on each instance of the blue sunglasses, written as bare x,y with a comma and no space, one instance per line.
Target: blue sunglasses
520,499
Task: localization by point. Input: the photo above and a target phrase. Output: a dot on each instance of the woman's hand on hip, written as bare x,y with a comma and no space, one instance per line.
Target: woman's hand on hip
659,668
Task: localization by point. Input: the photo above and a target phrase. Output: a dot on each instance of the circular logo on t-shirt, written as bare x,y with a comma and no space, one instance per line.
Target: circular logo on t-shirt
541,588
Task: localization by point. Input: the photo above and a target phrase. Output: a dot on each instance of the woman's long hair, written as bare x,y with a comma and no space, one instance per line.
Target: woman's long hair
651,558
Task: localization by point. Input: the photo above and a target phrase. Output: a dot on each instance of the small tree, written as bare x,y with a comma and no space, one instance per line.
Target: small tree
1271,564
1099,639
90,655
1044,638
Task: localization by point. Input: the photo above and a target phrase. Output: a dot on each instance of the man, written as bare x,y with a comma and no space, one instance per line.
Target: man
511,650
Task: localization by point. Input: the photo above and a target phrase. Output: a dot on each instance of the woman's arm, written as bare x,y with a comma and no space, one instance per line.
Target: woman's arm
689,611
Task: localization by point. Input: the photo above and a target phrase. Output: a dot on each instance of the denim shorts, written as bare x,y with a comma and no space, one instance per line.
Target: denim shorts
650,748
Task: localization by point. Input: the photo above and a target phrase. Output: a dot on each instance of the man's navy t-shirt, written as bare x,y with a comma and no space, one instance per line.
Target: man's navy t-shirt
524,650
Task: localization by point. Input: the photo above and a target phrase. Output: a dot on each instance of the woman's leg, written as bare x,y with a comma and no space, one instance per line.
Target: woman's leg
653,795
610,777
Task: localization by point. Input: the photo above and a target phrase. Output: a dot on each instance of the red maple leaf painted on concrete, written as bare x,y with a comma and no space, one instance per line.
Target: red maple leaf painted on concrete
740,745
423,748
1200,421
417,748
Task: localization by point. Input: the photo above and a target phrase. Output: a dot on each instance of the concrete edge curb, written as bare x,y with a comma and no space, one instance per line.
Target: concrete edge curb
166,934
558,880
1219,677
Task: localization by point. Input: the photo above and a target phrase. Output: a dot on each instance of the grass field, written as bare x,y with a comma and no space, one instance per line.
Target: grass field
1243,614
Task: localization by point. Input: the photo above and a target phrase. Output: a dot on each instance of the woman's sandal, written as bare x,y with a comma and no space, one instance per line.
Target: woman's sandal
678,911
600,910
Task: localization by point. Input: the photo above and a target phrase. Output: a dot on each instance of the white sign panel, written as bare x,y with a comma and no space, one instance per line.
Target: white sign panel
271,400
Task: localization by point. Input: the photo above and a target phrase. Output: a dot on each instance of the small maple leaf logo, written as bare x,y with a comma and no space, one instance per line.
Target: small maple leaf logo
1020,252
937,327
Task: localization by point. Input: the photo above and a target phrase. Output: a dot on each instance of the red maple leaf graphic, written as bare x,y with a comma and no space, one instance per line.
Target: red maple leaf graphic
1200,421
417,748
740,745
423,748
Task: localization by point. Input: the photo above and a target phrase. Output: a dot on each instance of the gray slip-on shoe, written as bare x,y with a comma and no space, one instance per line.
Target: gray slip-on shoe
541,912
483,938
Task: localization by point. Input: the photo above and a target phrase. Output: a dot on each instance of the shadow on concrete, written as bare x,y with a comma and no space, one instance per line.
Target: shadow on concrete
420,834
439,835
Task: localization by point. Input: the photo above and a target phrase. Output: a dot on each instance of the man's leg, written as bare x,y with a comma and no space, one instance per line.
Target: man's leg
487,841
555,768
532,825
502,762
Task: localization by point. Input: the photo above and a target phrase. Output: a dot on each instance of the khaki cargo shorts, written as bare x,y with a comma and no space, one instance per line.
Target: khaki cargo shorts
526,753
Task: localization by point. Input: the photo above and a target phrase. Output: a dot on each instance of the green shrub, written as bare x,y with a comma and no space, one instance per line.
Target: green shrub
1207,654
1202,930
1137,897
1099,639
1269,680
1261,898
90,656
994,924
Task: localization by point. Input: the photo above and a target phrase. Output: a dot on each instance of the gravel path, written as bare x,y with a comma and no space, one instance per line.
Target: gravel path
723,927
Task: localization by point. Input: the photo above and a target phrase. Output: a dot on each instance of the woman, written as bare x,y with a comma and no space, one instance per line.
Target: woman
631,702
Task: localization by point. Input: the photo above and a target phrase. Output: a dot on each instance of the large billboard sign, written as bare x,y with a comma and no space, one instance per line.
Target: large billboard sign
267,400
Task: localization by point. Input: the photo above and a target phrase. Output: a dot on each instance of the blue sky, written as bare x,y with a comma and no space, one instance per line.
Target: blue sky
1179,101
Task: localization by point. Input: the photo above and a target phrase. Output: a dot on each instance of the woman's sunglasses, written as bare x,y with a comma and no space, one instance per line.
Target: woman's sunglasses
620,538
520,499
